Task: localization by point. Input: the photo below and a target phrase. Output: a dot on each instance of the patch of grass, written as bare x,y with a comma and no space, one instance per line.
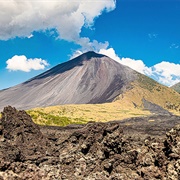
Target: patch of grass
82,113
42,118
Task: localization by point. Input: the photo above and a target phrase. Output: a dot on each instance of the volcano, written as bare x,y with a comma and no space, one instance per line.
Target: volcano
89,78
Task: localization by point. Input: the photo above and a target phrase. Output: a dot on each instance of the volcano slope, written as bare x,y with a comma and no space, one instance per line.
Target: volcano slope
88,79
176,87
92,151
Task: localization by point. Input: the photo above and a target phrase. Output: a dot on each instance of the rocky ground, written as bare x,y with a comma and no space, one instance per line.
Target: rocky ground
136,148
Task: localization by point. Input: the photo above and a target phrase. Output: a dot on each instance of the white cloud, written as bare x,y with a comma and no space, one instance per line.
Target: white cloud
94,45
21,18
21,63
30,36
166,73
75,54
110,53
87,45
137,65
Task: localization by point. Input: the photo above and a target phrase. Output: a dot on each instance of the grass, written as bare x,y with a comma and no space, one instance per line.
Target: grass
40,116
147,83
83,113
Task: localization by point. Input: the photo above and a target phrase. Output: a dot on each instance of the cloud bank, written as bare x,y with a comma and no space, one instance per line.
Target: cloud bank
21,63
22,18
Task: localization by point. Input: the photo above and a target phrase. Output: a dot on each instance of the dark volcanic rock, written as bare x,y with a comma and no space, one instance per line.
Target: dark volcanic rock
20,140
154,108
102,151
94,151
155,125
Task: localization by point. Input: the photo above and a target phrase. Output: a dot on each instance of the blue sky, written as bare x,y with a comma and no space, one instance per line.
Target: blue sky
37,35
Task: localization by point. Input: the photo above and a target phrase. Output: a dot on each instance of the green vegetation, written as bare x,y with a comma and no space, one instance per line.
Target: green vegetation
43,118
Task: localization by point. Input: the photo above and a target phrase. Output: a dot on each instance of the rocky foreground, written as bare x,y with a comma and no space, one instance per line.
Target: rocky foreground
99,151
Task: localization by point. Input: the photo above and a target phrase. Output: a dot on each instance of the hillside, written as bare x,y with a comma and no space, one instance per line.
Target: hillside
148,89
176,87
128,104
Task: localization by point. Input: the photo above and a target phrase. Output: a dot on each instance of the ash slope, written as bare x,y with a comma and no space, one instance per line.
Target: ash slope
89,78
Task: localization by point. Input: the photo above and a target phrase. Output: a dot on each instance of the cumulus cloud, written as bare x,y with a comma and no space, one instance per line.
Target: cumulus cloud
21,18
166,73
87,45
21,63
110,53
137,65
93,46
